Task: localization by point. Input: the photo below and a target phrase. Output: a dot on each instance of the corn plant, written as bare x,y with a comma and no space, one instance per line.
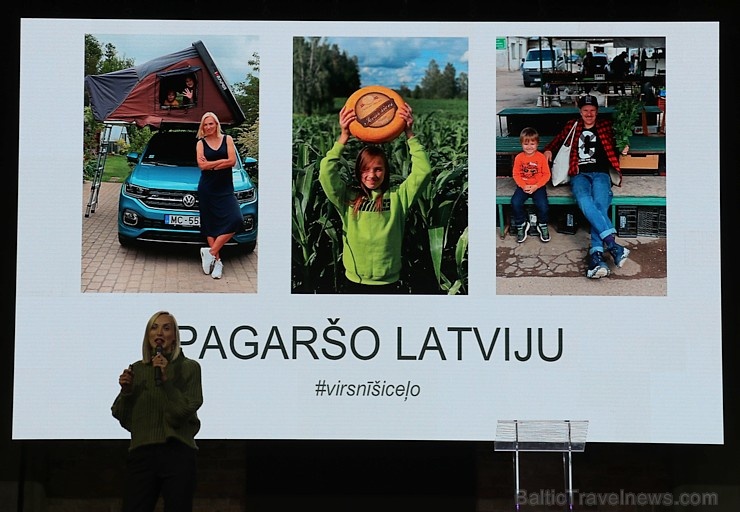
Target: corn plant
436,231
316,228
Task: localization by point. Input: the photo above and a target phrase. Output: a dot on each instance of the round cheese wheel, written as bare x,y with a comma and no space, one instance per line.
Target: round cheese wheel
377,114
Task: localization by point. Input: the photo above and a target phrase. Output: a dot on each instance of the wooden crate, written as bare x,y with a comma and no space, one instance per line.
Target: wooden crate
638,162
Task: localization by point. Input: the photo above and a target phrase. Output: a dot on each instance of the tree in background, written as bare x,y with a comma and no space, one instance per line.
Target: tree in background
321,72
93,54
438,84
462,85
404,91
98,61
247,94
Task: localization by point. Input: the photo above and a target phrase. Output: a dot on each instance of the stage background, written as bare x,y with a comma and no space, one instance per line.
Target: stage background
639,369
467,471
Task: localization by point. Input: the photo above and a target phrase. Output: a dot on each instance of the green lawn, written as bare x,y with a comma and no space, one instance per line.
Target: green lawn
116,168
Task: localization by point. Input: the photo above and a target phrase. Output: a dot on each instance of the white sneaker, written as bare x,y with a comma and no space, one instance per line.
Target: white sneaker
206,260
218,270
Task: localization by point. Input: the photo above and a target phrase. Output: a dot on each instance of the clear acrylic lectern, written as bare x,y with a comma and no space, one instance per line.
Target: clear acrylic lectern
566,436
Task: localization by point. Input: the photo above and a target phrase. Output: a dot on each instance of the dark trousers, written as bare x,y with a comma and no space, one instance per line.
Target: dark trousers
168,470
539,197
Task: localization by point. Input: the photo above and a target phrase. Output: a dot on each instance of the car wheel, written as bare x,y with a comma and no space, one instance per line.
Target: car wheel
248,248
125,241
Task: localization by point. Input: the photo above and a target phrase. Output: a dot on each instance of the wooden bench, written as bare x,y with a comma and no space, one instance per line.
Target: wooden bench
635,191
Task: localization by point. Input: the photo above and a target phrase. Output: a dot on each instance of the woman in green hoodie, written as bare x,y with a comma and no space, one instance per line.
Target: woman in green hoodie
373,216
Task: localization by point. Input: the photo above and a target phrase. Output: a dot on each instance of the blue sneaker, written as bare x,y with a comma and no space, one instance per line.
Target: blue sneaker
619,254
597,267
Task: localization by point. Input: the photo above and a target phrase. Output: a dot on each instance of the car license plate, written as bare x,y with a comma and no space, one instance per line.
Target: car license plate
182,220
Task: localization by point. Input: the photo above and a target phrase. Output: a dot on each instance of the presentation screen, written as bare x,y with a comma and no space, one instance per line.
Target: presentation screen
409,302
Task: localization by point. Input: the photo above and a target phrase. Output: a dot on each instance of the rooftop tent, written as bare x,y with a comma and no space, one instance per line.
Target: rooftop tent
140,94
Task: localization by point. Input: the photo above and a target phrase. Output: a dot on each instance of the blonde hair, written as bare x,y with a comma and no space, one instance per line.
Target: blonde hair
200,133
146,349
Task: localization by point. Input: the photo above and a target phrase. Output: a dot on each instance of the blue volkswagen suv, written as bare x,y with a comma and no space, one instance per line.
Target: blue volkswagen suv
158,202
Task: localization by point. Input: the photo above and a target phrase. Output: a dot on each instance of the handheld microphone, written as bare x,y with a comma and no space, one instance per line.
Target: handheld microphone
157,369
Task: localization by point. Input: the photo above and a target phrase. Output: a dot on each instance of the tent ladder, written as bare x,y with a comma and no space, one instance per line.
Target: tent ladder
99,168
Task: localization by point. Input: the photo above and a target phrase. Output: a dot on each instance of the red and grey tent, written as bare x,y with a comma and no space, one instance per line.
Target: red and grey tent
140,94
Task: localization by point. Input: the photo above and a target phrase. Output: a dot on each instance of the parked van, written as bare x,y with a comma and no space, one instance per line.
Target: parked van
547,59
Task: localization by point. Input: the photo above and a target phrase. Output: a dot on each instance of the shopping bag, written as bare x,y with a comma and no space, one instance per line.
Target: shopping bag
559,170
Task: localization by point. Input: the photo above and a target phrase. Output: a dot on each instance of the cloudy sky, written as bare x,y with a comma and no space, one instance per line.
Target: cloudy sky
393,62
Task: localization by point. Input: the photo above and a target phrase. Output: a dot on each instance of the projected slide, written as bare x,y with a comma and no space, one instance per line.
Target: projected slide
377,285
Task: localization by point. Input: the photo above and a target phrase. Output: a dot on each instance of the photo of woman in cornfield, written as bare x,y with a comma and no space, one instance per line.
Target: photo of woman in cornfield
435,239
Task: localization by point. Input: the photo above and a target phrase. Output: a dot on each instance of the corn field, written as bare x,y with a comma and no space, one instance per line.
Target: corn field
435,254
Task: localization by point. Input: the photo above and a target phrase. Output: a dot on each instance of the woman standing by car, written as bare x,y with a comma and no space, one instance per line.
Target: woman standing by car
220,216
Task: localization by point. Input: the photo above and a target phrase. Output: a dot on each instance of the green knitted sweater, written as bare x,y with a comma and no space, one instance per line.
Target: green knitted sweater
154,414
373,240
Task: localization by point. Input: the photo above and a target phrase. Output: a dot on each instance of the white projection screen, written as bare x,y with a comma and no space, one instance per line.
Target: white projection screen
279,365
